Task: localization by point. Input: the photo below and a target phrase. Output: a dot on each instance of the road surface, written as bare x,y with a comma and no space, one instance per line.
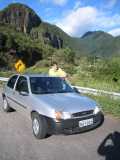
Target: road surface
18,143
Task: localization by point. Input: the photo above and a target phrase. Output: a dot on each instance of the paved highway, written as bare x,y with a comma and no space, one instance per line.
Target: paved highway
18,143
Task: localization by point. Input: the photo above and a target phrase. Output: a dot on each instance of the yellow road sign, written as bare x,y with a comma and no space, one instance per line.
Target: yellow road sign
20,66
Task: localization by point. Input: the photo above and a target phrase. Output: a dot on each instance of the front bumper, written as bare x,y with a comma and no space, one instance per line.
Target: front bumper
71,126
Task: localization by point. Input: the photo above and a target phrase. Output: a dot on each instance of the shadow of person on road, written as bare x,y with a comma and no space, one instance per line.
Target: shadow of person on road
110,147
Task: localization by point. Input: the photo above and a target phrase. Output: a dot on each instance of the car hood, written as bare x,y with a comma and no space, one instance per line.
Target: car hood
67,102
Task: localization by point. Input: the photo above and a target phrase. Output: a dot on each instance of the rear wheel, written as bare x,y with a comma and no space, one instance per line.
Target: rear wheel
6,107
39,126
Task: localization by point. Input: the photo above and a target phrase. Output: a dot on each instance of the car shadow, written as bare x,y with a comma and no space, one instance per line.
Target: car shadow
110,147
12,110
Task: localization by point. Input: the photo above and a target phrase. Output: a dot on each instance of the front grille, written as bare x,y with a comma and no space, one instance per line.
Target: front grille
84,113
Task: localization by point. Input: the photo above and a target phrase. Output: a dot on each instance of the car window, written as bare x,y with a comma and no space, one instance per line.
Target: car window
12,81
46,85
22,85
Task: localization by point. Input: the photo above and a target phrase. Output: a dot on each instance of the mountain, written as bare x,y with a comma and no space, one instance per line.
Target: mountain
99,43
87,34
24,19
20,16
24,34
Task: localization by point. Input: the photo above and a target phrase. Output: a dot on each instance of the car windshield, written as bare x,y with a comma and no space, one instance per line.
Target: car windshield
46,85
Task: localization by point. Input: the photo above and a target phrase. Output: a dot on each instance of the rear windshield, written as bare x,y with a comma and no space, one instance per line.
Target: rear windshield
46,85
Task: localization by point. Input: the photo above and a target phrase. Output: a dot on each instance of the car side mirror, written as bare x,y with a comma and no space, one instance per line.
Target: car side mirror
76,90
23,93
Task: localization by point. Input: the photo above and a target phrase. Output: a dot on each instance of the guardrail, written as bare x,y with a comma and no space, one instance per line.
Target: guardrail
83,90
97,92
4,79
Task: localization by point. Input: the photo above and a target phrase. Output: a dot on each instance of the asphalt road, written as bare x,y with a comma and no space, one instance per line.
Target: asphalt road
18,143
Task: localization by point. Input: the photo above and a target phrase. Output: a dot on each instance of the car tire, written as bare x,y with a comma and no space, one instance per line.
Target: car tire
6,107
39,126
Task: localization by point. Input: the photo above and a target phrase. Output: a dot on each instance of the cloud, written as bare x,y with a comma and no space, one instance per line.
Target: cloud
111,4
55,2
115,32
78,21
88,18
77,4
106,21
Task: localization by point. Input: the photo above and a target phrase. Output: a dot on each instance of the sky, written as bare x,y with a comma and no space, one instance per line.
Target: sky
76,17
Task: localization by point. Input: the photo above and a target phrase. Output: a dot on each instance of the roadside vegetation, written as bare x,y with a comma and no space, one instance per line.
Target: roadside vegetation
98,73
108,104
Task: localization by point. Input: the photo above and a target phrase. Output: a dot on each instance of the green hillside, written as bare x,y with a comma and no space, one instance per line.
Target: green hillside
100,43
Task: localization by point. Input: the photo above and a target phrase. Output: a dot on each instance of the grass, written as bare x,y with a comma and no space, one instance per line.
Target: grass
6,73
106,85
37,70
109,105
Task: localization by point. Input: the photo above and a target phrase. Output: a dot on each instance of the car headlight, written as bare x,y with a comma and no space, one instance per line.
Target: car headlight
97,110
62,115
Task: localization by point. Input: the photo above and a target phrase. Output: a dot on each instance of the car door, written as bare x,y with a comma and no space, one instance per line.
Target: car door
22,96
9,90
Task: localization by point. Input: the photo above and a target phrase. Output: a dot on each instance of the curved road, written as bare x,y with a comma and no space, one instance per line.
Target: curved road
18,143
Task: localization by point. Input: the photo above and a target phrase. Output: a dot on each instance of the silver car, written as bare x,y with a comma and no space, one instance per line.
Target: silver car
53,105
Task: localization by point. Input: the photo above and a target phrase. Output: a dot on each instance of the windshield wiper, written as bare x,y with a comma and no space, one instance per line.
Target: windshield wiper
52,92
64,91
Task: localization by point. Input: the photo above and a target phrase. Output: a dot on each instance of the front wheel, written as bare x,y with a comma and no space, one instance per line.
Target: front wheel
39,126
6,107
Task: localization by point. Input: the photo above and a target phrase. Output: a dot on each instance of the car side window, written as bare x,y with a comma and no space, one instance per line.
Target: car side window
12,81
22,85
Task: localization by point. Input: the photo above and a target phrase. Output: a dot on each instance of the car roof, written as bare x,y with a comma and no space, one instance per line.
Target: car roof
36,75
33,75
